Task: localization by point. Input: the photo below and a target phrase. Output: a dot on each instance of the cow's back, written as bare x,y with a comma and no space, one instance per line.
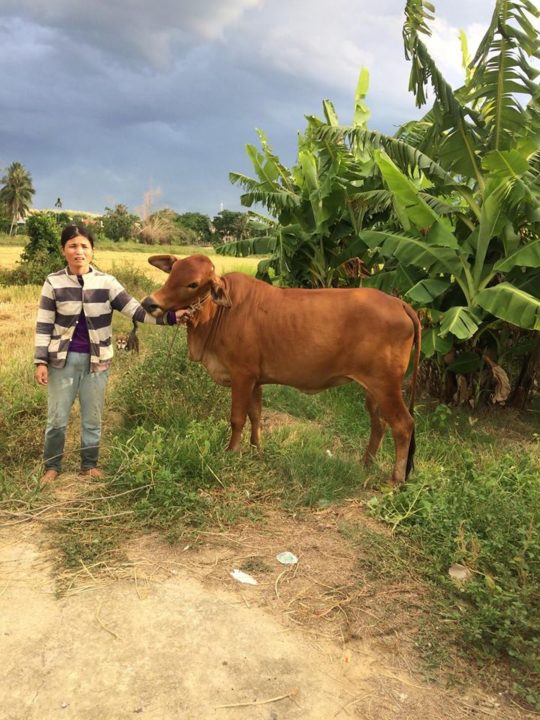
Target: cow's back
310,339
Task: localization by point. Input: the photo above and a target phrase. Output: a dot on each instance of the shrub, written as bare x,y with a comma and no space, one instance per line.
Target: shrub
41,255
486,518
118,223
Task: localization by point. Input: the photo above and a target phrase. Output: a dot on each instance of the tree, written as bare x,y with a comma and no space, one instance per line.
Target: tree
199,224
231,225
446,212
465,243
41,255
16,193
314,210
118,223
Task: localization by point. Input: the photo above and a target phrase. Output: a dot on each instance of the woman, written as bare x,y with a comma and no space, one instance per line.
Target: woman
73,347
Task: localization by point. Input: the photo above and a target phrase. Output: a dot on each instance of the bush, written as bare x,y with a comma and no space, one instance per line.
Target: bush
41,255
134,280
486,518
118,223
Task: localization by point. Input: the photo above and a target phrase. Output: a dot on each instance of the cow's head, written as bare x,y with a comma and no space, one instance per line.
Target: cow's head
191,280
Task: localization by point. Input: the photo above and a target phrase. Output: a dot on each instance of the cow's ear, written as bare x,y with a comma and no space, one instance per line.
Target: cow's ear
219,293
163,262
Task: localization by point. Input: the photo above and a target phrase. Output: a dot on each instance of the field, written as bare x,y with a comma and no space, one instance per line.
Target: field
368,624
133,256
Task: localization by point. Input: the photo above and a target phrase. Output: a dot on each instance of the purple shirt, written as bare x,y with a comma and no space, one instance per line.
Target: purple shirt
80,342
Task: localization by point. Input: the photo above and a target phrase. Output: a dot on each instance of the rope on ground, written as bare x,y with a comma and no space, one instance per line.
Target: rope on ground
292,693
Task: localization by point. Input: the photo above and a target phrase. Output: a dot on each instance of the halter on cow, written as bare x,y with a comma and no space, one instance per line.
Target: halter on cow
248,334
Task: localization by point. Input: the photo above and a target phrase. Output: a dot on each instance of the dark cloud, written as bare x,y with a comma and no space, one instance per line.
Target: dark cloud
103,100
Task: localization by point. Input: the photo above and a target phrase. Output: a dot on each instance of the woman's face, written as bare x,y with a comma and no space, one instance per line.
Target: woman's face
78,252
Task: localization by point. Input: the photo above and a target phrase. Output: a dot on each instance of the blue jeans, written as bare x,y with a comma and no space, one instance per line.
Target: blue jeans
64,385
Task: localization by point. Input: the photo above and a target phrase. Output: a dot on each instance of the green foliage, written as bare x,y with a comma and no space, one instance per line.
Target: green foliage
12,240
134,280
21,418
484,514
118,223
41,255
199,224
230,226
5,222
446,213
311,474
42,230
165,490
22,423
314,216
16,193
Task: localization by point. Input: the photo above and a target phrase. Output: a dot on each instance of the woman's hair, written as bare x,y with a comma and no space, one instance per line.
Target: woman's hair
71,231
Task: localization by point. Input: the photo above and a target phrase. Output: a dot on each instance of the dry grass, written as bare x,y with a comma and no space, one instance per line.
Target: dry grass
107,259
9,256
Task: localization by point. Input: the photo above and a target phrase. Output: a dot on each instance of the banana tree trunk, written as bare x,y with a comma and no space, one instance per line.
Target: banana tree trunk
530,371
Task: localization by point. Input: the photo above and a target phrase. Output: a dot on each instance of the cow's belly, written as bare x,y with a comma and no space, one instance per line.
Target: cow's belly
309,388
333,382
217,371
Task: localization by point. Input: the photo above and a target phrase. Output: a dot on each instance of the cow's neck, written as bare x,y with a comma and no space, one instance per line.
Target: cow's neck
201,331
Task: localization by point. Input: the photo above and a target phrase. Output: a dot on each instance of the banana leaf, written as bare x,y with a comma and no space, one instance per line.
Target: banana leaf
425,291
460,321
244,248
526,256
511,304
432,342
466,362
413,251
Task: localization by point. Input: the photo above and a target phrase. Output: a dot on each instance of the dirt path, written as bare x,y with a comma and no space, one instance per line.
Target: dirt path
168,634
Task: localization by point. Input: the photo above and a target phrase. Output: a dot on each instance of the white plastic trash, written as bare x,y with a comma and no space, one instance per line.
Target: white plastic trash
287,558
243,577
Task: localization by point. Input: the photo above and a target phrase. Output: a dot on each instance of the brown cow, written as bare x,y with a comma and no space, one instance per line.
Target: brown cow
248,334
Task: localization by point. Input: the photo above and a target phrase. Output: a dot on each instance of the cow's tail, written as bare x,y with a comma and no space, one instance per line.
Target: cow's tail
418,346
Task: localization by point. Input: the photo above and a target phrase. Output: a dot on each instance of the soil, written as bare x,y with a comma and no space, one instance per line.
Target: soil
165,632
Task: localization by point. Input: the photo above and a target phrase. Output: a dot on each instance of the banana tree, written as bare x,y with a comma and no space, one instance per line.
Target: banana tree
445,212
466,248
313,213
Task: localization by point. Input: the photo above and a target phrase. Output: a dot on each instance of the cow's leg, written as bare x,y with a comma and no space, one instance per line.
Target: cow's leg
394,411
254,413
242,391
378,427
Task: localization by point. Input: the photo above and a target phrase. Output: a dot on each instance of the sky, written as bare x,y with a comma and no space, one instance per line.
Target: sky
107,100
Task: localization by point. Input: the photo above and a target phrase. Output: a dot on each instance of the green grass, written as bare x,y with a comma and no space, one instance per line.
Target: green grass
130,246
12,240
473,498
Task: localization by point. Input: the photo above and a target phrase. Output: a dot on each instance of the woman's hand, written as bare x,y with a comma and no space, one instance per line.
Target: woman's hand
183,316
42,375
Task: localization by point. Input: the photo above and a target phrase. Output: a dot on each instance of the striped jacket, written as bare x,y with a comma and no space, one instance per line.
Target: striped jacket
63,298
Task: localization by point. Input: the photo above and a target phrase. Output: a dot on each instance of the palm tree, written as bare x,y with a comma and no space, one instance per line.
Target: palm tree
16,192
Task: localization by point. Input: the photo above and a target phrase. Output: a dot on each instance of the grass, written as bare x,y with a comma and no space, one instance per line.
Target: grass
110,259
473,499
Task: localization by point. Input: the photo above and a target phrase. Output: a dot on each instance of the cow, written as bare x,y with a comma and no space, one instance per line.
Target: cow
248,333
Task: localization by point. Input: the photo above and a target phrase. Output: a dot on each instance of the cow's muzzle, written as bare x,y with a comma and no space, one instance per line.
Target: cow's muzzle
151,307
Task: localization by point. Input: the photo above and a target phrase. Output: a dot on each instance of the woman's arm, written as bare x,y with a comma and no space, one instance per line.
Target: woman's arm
122,301
46,317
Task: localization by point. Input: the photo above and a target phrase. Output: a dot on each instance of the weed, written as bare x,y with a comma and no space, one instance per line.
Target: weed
485,517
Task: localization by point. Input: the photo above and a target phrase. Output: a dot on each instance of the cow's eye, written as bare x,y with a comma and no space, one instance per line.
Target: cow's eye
193,285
